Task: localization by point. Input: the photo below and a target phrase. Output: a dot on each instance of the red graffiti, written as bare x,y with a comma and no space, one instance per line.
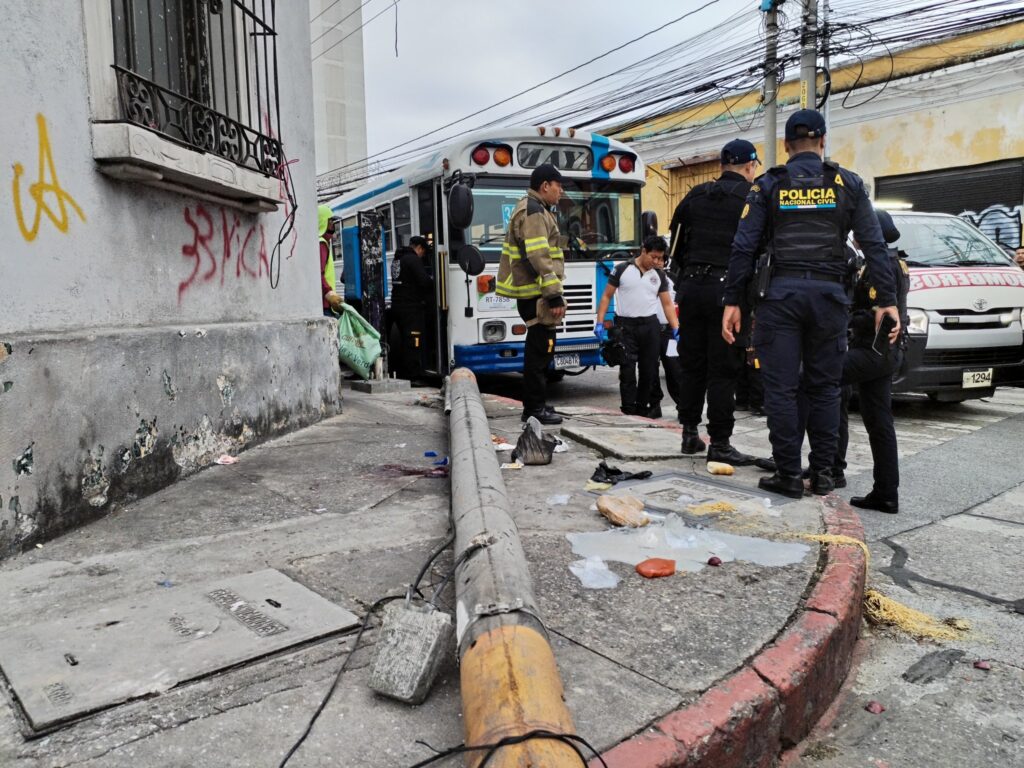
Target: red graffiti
232,239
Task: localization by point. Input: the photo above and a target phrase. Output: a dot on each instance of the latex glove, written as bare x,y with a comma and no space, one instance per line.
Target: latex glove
675,333
334,301
600,331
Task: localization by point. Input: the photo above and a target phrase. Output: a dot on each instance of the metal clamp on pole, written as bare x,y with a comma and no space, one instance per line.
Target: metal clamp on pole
509,680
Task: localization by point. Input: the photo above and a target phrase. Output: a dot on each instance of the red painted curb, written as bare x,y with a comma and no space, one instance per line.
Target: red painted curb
773,701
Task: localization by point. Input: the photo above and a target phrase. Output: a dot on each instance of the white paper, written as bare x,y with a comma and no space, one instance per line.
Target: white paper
672,350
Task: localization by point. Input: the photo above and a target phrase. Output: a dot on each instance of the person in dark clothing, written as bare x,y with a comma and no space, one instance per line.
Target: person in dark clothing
670,364
412,290
871,374
703,227
802,213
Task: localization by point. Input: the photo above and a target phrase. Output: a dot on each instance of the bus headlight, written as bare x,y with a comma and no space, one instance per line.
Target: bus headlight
918,325
493,330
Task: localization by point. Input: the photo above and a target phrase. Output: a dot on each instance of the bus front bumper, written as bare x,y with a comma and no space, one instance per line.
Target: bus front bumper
507,357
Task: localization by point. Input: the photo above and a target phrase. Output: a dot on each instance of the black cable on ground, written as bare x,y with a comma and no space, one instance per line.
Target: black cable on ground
567,738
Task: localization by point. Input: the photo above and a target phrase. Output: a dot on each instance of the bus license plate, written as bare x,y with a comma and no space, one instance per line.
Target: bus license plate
978,378
573,361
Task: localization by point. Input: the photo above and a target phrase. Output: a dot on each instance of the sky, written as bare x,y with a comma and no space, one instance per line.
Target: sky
457,56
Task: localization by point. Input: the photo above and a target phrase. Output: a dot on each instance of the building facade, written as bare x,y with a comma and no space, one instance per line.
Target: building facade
160,265
339,101
940,128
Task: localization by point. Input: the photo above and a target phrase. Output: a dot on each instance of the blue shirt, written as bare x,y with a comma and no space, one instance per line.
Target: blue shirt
753,224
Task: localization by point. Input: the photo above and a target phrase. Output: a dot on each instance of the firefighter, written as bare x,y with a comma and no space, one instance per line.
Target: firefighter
703,227
803,212
531,272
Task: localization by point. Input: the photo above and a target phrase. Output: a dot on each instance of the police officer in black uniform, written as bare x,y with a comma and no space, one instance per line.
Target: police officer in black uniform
412,291
703,227
870,370
802,213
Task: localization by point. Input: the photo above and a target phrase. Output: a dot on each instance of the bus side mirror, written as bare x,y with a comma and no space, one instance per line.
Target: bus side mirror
649,224
469,259
460,206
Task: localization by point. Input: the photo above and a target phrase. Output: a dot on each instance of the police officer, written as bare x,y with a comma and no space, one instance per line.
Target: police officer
531,270
640,287
412,290
803,212
703,227
871,372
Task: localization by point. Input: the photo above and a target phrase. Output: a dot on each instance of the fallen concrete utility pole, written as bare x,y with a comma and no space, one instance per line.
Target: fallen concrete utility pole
509,679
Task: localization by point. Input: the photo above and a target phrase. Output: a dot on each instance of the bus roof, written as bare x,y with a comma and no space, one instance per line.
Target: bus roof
457,153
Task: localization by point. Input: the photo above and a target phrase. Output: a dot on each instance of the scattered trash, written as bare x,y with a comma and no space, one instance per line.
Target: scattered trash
715,561
513,465
656,568
319,510
165,583
534,447
39,546
593,573
400,445
560,445
982,665
613,475
720,468
685,498
595,486
430,454
401,469
226,459
501,444
711,507
689,546
884,611
767,502
623,510
875,707
441,462
559,499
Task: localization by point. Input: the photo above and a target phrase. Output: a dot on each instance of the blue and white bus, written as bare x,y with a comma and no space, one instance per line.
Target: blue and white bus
599,216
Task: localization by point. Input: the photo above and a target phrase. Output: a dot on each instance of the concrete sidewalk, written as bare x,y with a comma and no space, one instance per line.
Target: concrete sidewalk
724,666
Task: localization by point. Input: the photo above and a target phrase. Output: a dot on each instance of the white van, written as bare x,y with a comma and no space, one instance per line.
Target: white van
965,301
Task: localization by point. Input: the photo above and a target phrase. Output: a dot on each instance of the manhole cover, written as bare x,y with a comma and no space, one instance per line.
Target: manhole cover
109,654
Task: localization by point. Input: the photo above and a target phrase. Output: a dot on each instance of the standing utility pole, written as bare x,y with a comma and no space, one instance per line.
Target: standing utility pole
826,43
809,55
771,82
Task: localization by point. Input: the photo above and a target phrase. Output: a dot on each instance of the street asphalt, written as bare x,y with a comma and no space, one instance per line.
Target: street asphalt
323,507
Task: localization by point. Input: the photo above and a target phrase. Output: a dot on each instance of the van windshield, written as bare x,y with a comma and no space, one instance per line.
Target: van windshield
943,241
603,217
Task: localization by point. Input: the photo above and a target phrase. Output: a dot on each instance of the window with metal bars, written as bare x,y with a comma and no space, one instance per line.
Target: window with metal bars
202,73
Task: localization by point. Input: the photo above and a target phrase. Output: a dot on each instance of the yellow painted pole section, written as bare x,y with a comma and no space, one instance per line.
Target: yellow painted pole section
511,686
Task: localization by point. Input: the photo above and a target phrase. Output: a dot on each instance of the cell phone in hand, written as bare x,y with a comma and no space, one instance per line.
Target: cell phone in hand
880,346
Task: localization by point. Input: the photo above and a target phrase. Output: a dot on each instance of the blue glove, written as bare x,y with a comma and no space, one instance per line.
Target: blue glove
675,333
601,332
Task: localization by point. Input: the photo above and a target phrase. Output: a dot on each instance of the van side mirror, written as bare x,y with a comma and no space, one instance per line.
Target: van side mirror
649,224
470,260
460,206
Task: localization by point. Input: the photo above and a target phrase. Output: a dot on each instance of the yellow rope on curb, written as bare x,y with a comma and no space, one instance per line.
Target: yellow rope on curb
829,538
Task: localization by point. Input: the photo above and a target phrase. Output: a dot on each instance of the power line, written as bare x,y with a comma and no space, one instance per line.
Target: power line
339,22
346,37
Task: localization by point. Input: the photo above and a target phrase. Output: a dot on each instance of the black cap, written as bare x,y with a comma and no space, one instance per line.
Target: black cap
542,173
889,230
805,124
738,152
418,240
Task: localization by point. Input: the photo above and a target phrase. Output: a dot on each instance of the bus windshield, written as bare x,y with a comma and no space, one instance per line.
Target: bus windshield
944,241
599,217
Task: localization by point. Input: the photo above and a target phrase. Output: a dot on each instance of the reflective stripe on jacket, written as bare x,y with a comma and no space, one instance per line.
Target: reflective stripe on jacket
532,263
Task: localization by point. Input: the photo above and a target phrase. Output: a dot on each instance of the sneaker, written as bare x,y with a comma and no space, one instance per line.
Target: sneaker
691,442
782,484
545,415
822,482
727,454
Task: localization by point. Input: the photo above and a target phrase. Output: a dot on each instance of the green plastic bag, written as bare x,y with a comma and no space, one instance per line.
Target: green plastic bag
358,342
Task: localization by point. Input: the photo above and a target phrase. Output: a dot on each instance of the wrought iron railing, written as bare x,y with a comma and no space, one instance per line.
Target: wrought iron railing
203,73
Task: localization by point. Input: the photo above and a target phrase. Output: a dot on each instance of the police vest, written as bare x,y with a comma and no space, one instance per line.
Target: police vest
810,216
865,298
715,209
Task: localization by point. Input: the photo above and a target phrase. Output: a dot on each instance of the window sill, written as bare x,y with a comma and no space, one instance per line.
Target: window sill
131,153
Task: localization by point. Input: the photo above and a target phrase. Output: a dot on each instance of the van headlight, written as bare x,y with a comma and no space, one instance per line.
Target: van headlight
918,325
1011,317
493,330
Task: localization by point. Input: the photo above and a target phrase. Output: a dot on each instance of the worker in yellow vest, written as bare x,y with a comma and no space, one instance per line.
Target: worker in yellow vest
328,283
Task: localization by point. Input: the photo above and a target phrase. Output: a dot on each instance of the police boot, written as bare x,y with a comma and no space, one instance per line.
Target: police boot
822,482
871,501
722,450
783,484
691,442
545,415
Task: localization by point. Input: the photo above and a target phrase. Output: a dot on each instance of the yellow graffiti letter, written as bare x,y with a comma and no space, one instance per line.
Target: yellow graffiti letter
47,183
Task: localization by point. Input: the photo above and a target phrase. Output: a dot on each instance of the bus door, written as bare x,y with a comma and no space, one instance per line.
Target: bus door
430,200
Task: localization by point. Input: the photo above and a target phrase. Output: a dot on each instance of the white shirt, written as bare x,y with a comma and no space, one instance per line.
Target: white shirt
671,293
637,293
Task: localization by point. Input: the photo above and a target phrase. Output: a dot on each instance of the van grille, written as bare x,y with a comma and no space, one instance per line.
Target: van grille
990,356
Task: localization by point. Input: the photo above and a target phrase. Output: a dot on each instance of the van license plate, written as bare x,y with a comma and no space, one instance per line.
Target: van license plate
573,361
978,378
